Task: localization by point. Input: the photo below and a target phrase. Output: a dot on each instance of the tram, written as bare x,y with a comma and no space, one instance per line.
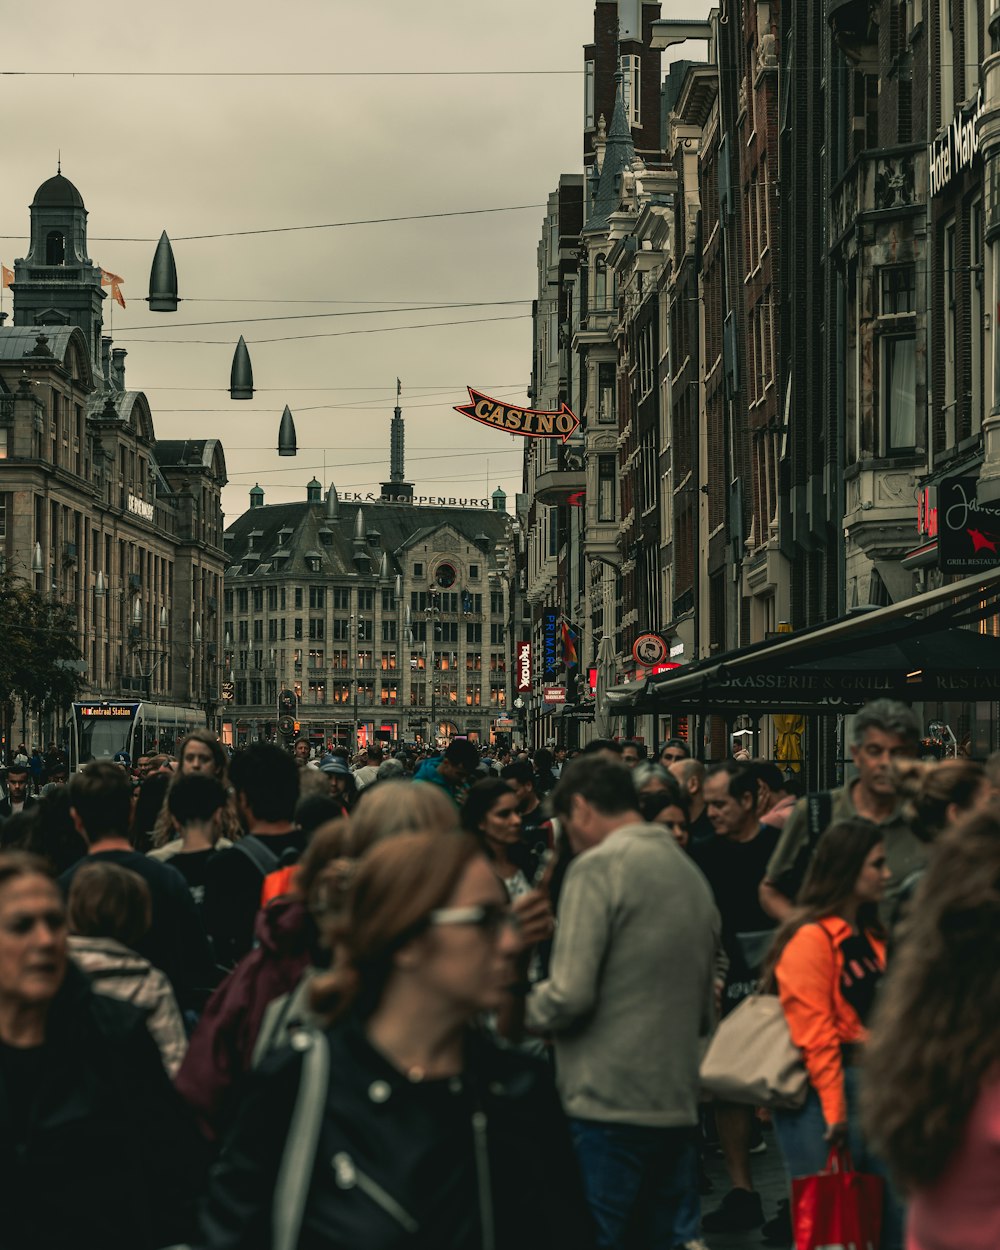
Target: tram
100,728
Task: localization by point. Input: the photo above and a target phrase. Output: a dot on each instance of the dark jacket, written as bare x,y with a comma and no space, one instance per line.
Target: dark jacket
221,1048
6,811
396,1163
111,1159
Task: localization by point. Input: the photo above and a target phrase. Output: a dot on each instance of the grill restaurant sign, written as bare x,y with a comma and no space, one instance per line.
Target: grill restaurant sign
527,421
956,148
968,531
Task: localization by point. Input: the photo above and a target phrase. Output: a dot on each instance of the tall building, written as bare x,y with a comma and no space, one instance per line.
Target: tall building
94,509
376,618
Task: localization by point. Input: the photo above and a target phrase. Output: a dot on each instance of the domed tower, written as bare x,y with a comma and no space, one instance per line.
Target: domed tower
57,284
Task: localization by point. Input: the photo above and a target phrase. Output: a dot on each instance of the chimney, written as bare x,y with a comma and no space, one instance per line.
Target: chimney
118,367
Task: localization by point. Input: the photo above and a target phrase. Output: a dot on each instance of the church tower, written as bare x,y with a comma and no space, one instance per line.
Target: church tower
57,284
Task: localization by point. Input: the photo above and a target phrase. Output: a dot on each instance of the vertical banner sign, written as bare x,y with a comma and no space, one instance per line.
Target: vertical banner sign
968,531
551,643
523,667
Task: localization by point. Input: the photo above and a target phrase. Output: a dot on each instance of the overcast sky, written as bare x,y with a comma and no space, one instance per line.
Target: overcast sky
205,155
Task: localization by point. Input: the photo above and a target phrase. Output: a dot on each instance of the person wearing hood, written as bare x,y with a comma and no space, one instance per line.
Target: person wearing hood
110,909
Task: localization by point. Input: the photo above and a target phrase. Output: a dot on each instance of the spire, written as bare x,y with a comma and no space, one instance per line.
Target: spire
396,439
619,152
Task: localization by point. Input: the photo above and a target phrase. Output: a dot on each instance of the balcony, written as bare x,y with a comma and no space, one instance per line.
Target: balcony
561,476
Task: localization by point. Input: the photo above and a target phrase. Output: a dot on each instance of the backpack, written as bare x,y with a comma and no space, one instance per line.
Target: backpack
819,811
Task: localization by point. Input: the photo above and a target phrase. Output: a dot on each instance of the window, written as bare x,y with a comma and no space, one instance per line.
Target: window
366,692
601,284
317,598
630,88
496,602
388,601
417,661
606,408
498,696
3,443
365,659
227,596
898,288
473,633
390,693
243,633
589,120
418,570
388,630
473,570
498,662
340,692
272,630
445,661
298,598
341,599
315,627
388,661
473,662
272,598
315,658
472,696
445,575
258,630
496,635
899,393
338,659
317,691
366,600
243,601
298,627
258,599
447,631
418,600
418,693
606,487
340,630
282,626
950,332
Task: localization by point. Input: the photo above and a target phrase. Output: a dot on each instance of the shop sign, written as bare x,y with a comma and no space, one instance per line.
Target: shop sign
554,694
968,531
650,649
550,642
956,148
139,507
523,667
927,513
530,422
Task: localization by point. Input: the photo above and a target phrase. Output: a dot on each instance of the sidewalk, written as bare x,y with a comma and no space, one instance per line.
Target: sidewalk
769,1178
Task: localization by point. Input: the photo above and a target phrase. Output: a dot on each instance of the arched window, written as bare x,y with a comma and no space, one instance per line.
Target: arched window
55,247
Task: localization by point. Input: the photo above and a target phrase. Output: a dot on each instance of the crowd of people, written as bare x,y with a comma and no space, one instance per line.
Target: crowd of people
278,999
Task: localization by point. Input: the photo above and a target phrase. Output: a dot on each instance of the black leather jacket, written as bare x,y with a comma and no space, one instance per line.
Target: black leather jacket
397,1165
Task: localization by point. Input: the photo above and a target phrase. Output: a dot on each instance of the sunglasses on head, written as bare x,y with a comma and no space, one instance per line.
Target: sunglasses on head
490,917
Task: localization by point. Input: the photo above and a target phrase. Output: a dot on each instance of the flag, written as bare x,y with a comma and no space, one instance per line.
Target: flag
570,636
113,280
6,275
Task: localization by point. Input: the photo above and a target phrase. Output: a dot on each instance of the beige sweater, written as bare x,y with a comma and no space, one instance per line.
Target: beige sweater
629,993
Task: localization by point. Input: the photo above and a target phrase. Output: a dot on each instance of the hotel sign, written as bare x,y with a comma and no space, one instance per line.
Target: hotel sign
956,148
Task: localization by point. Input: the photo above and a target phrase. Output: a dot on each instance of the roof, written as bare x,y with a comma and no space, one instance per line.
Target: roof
17,342
619,152
56,192
204,454
400,526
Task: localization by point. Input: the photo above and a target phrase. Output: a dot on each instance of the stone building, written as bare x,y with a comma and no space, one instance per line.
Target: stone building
94,509
385,618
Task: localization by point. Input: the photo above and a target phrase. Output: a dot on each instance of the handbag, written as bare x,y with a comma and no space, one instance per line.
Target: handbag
752,1059
839,1209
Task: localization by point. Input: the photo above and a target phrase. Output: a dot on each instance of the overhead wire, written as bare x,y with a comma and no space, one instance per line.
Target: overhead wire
353,312
333,334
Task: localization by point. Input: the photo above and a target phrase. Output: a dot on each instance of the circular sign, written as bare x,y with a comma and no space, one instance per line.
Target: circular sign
286,725
649,649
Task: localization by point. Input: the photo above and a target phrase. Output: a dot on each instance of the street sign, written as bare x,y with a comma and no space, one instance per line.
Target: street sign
503,722
554,694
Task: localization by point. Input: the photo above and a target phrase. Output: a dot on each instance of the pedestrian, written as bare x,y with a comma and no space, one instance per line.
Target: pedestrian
434,1136
633,753
628,1002
650,776
674,750
884,732
545,778
931,1078
100,797
266,783
536,827
775,800
368,772
490,814
734,863
827,960
18,789
96,1150
690,776
110,909
668,808
342,783
394,807
195,804
452,770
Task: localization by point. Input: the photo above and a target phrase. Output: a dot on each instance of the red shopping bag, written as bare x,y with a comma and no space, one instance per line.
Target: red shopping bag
839,1209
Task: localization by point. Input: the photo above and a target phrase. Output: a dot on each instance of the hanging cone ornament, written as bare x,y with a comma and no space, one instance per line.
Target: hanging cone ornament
287,446
163,278
241,374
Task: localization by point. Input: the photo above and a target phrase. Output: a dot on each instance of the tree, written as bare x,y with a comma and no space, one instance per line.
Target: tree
40,663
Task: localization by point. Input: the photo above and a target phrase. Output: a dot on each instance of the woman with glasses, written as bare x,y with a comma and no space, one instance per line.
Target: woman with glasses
95,1147
404,1125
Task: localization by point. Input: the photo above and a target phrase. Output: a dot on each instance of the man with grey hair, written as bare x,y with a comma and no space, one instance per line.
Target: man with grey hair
884,731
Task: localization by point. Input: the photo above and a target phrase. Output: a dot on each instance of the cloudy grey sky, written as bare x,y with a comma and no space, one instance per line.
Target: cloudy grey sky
206,155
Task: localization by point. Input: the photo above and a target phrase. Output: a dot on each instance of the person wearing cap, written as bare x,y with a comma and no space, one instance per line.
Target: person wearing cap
123,760
343,786
18,785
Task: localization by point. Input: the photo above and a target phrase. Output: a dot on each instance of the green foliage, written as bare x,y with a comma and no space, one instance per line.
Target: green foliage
39,659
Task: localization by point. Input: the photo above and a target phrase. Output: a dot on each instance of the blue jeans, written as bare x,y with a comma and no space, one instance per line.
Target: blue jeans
800,1137
641,1183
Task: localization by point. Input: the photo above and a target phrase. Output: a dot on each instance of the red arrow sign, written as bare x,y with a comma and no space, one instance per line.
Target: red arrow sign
527,421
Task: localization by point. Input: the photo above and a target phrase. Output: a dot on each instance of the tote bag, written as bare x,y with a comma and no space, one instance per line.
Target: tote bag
839,1209
752,1059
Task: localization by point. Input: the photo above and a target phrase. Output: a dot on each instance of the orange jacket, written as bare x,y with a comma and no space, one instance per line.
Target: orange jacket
277,883
819,1018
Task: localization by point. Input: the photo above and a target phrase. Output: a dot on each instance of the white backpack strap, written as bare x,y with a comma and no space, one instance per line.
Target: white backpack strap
291,1189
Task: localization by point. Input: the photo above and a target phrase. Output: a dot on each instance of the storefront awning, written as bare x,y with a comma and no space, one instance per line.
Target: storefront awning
914,650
